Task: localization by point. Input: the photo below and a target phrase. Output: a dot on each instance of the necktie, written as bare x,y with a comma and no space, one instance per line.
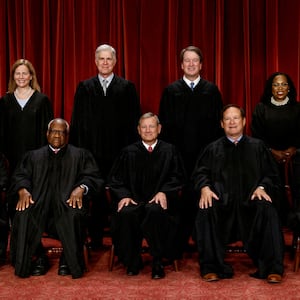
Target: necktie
150,149
192,86
235,142
56,151
104,85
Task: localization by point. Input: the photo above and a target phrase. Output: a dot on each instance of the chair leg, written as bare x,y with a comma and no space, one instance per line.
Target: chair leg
86,257
111,257
297,255
175,262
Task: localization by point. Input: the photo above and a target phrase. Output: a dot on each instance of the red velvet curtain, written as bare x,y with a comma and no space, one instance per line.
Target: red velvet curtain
243,42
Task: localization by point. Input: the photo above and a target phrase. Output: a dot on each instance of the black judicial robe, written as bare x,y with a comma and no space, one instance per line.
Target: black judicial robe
190,119
233,173
3,209
105,124
24,129
50,178
277,126
3,173
140,175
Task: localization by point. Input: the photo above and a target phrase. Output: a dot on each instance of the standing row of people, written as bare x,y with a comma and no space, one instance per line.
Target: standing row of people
105,114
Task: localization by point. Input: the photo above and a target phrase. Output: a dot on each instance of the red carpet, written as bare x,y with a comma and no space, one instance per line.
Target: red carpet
99,283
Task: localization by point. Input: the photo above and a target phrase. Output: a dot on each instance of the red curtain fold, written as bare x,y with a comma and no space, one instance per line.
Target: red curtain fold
4,48
243,42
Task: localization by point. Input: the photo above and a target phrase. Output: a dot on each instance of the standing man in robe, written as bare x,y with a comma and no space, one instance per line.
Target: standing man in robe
50,191
237,180
105,113
145,181
189,112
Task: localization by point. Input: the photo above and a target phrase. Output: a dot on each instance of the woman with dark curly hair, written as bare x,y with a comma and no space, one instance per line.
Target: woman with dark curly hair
276,120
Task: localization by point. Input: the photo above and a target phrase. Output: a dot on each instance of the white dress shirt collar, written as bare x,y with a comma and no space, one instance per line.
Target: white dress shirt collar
108,79
188,82
147,146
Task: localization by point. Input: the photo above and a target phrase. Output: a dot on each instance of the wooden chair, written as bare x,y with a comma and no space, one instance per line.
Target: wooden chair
112,249
54,246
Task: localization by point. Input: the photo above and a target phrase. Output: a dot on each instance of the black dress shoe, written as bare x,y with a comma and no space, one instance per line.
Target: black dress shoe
132,271
158,271
63,268
134,268
40,266
77,275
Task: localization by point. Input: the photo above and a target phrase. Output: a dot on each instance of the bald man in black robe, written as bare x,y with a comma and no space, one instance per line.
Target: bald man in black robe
237,180
145,187
50,190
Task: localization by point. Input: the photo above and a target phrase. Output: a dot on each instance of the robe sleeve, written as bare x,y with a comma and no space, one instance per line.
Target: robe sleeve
258,123
116,181
175,176
3,173
89,174
79,119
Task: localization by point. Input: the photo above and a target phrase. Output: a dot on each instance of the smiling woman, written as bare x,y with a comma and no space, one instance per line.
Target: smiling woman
276,120
24,113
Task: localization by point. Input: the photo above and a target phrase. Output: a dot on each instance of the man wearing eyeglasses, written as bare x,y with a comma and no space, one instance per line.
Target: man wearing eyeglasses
50,190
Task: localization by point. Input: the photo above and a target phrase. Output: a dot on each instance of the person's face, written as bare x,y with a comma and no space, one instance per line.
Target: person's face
149,130
22,76
105,63
191,65
57,135
280,87
233,123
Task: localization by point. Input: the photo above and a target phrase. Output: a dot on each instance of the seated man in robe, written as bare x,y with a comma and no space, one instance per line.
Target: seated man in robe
3,209
237,181
144,183
50,190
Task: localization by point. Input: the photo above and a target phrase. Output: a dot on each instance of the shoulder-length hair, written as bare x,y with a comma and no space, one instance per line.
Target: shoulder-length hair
33,82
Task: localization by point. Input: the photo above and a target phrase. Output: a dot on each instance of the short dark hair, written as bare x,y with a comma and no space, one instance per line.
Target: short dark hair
194,49
242,111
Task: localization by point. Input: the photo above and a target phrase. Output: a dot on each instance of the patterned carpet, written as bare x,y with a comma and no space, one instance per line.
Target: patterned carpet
99,283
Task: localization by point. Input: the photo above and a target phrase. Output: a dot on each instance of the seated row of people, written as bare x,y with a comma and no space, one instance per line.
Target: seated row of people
235,179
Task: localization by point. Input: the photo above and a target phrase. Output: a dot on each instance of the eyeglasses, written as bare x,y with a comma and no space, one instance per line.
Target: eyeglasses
283,84
59,132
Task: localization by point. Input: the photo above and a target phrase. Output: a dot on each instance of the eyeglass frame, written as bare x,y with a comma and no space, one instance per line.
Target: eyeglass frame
283,84
59,132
